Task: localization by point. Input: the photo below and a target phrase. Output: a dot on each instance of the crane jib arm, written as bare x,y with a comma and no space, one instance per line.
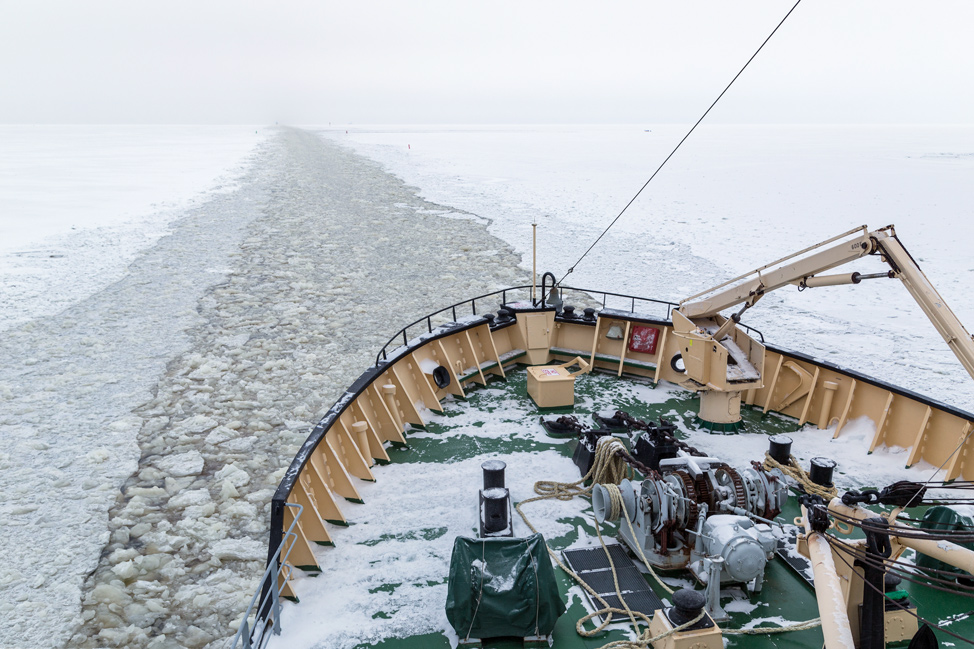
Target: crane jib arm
797,269
752,289
946,323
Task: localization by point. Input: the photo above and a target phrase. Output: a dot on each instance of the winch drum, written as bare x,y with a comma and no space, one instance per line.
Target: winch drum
602,502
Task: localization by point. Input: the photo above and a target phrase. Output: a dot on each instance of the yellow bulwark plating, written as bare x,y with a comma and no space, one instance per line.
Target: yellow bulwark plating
801,387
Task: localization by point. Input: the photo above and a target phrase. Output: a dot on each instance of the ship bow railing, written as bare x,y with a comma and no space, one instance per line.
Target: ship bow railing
265,605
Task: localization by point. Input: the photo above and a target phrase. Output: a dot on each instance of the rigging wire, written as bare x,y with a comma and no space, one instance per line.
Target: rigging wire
572,268
833,542
944,463
957,527
908,571
961,535
956,484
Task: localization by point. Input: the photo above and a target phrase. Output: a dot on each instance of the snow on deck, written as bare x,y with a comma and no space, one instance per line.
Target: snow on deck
386,577
71,382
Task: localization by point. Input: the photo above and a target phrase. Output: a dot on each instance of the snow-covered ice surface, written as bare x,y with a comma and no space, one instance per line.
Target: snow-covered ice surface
732,199
78,203
290,284
148,411
69,386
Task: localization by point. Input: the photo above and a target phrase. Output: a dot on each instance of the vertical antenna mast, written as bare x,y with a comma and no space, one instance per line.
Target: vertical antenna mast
534,260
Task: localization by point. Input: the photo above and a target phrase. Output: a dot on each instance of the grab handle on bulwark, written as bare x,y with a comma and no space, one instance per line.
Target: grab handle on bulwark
583,365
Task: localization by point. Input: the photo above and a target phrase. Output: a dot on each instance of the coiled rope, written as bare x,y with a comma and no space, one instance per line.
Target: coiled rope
609,468
615,501
794,470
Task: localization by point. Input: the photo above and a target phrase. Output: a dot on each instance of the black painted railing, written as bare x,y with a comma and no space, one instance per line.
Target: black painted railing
660,308
427,320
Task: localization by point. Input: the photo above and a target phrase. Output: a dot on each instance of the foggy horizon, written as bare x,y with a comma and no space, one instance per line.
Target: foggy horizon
297,63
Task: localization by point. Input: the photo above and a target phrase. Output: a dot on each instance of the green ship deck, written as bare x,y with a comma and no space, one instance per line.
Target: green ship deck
498,420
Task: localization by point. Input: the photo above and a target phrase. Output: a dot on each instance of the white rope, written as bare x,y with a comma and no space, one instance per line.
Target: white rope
609,470
797,626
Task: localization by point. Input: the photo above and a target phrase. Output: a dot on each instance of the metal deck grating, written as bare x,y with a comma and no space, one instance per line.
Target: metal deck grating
586,559
629,580
644,601
593,567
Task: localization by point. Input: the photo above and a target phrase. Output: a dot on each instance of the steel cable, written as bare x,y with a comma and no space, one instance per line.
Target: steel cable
833,542
692,128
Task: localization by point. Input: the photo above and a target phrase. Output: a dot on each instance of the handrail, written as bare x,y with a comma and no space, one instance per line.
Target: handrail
268,586
428,319
544,288
472,302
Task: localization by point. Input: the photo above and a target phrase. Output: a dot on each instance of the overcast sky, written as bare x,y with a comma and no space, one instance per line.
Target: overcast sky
420,61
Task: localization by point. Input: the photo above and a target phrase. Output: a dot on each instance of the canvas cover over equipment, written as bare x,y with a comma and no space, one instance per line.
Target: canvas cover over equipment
502,587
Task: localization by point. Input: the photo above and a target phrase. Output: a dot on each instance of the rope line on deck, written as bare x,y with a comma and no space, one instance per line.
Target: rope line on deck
609,468
794,470
797,626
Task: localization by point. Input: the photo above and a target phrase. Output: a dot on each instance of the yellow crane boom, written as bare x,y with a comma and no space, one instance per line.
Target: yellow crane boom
804,267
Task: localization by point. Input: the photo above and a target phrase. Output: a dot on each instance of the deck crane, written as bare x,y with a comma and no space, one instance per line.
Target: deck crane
721,361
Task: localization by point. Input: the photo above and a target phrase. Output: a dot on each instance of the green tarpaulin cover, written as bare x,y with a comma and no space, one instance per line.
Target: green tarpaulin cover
945,518
502,587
